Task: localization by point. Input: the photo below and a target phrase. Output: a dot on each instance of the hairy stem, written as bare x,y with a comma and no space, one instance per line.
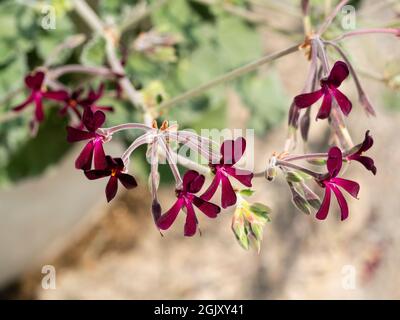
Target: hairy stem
306,156
392,31
286,164
126,126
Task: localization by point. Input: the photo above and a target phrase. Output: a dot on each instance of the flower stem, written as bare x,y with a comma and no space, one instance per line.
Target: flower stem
126,126
189,164
362,95
297,167
77,68
332,16
306,156
393,31
143,139
91,18
228,77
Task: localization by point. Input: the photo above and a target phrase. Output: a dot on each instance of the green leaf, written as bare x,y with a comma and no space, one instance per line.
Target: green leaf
238,42
246,192
293,176
239,230
261,210
33,156
317,162
266,99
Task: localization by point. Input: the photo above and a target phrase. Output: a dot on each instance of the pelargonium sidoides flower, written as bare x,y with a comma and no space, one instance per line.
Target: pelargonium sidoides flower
356,153
231,152
329,90
94,148
35,82
331,183
186,198
115,169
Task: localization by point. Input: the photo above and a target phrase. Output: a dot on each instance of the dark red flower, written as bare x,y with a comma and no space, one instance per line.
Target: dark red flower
91,100
34,82
329,90
356,155
94,148
331,183
192,183
115,170
72,102
231,152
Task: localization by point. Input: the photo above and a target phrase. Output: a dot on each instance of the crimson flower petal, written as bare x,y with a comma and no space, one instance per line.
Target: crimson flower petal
168,218
74,135
24,104
209,209
99,155
367,143
39,114
59,95
127,180
351,187
84,160
93,121
244,176
324,209
111,188
232,150
191,221
307,99
339,72
344,209
208,194
35,80
326,106
228,197
367,162
343,102
334,162
196,184
97,174
188,178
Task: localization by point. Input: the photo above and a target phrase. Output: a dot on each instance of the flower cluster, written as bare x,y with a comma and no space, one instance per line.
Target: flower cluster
87,117
71,103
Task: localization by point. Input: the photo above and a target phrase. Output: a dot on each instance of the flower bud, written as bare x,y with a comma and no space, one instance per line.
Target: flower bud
248,222
270,173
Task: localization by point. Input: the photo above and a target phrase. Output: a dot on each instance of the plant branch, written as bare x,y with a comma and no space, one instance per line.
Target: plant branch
332,16
392,31
91,18
228,77
140,12
77,68
297,167
306,156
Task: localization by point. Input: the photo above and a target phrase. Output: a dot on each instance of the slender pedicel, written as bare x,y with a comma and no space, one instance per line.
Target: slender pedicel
171,161
300,168
126,126
391,31
143,139
305,156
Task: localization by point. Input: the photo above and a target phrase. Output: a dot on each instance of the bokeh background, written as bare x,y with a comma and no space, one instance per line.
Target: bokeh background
50,215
